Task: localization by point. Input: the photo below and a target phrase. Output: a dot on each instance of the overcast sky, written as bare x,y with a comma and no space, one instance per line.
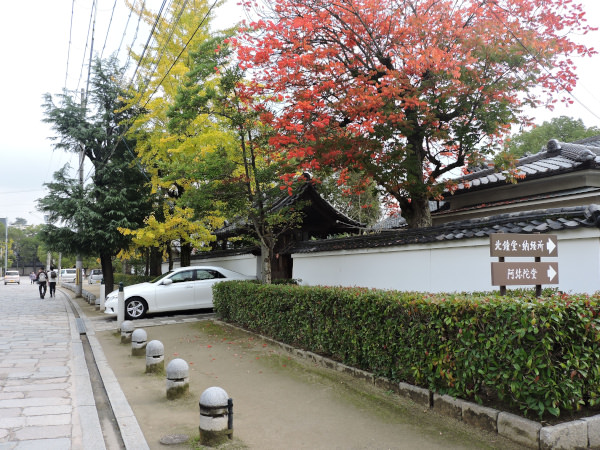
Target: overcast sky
35,47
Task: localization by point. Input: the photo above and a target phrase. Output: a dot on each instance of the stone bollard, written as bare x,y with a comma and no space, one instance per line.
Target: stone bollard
178,381
155,357
138,342
216,417
126,331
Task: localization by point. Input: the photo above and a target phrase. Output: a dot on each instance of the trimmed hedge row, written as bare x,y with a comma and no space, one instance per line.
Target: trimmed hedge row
538,355
128,280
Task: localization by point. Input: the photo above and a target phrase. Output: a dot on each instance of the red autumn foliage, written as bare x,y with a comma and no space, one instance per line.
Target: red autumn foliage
404,90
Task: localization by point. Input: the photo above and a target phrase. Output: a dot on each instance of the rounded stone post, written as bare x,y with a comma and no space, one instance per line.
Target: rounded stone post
138,342
178,380
155,357
126,331
216,417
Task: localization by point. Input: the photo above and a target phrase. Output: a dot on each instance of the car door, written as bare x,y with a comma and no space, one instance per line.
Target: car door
177,295
205,279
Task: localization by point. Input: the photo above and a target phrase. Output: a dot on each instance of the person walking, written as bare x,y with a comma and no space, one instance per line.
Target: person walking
52,282
32,277
41,279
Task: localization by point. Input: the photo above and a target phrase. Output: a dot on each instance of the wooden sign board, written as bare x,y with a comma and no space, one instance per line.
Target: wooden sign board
532,245
524,273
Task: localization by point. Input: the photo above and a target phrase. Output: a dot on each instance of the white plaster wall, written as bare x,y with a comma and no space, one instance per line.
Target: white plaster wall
579,261
244,264
453,266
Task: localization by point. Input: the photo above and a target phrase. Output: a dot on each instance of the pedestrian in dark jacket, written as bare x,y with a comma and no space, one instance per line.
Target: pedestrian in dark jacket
42,278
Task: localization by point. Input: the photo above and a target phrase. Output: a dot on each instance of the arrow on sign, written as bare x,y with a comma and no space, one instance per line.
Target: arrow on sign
550,246
551,273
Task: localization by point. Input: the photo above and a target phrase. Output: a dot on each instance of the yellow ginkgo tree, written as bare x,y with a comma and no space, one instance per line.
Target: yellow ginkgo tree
169,158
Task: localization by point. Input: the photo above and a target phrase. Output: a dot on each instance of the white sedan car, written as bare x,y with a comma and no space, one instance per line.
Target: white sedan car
183,288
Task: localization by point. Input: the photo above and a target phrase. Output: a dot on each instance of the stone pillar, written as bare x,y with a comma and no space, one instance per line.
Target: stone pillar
178,381
216,417
155,357
138,342
126,331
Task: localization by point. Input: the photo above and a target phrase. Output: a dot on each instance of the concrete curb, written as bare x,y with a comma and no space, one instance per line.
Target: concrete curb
129,427
88,434
581,433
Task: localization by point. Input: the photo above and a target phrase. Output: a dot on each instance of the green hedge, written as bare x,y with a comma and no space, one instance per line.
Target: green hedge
128,280
538,355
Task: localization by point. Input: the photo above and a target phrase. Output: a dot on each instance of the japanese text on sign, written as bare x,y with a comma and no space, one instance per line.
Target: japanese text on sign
505,244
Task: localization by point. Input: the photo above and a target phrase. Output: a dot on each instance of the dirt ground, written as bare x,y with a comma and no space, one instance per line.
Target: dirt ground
280,402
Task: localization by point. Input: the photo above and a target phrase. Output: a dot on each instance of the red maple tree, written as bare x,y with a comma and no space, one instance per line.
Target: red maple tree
404,90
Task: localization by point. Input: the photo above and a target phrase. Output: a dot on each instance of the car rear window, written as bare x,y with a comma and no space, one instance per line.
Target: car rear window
12,272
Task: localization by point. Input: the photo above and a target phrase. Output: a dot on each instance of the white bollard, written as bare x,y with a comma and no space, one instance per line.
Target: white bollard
216,417
121,305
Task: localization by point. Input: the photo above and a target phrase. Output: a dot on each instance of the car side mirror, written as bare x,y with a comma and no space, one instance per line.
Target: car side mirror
167,282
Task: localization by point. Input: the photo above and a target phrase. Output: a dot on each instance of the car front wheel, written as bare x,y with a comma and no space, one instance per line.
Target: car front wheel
135,308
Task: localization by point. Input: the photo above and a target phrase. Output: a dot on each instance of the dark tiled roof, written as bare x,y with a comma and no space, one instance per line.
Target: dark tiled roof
555,158
539,221
306,192
390,223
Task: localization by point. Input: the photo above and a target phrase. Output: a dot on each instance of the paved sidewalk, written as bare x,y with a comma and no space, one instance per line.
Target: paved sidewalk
46,399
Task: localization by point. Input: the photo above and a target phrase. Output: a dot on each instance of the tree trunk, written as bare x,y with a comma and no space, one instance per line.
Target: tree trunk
186,254
170,250
107,272
147,262
155,262
266,253
416,212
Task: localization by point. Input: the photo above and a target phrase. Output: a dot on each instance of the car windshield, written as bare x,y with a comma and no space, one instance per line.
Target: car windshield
164,275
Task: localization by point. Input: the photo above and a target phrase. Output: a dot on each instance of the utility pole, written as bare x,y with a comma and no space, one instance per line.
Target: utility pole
79,258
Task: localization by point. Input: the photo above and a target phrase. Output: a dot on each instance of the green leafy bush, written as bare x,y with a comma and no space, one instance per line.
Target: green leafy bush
128,280
538,355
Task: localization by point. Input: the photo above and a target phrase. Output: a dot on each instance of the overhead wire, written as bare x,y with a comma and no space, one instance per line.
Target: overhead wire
108,30
124,32
86,45
181,52
109,155
137,28
150,36
164,47
158,16
69,48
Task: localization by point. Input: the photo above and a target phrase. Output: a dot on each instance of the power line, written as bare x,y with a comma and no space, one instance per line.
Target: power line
164,47
181,52
108,30
162,80
69,49
136,32
124,32
147,42
86,45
